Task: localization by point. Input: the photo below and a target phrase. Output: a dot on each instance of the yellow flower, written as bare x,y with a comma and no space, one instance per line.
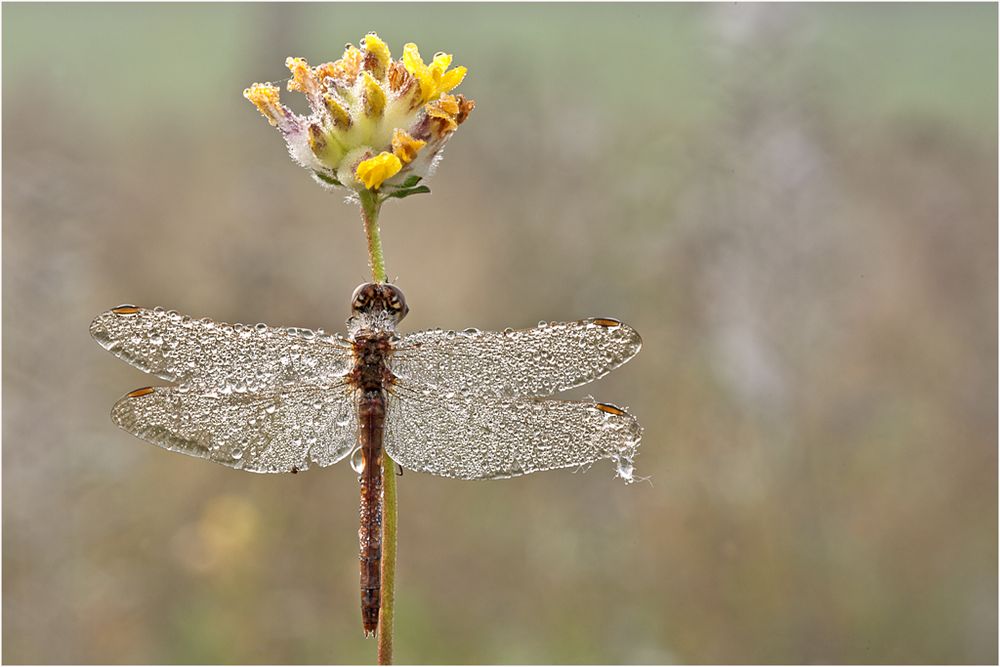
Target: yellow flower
374,171
375,122
433,78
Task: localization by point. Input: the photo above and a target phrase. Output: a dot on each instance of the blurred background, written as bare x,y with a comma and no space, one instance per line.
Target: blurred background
795,205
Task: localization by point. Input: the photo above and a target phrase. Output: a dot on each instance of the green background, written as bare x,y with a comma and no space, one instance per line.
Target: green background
796,205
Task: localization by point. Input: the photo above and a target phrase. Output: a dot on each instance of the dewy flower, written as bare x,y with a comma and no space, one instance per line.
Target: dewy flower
376,123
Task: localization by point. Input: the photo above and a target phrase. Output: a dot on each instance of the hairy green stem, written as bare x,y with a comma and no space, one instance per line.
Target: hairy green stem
370,206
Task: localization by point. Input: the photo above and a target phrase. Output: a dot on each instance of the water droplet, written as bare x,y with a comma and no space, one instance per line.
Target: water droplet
237,453
357,461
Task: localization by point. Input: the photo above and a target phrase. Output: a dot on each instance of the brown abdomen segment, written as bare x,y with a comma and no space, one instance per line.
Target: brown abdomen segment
371,416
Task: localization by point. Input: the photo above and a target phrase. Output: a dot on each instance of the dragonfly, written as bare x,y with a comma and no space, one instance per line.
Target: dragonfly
469,405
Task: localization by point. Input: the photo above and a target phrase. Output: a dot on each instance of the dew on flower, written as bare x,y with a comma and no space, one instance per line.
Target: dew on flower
375,123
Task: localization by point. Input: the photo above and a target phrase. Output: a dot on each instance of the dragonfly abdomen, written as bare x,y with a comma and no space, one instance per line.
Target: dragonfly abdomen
371,349
371,413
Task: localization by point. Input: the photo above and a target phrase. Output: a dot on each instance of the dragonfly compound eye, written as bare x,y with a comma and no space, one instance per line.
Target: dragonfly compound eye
396,302
362,295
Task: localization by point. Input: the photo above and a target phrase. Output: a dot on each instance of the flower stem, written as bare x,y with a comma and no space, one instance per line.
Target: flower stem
370,206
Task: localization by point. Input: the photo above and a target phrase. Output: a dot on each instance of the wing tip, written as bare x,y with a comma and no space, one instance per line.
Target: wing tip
612,323
99,325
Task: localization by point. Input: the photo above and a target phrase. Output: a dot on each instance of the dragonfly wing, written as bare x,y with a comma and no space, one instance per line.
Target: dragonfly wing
522,362
202,353
468,436
283,432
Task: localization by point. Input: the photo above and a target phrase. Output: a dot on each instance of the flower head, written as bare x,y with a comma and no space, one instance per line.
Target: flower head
375,123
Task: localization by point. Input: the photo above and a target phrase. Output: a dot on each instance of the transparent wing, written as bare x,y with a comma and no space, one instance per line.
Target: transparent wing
203,353
522,362
468,436
277,433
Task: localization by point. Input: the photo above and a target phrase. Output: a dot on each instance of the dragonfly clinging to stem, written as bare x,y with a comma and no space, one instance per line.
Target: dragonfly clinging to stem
463,404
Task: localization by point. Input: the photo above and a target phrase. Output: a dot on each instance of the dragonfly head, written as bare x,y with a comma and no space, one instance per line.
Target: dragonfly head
376,298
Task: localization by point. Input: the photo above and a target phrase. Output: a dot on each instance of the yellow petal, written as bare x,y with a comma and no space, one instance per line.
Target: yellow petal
267,100
303,79
448,104
324,70
404,146
441,62
412,61
349,65
377,56
337,112
374,96
376,170
451,79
